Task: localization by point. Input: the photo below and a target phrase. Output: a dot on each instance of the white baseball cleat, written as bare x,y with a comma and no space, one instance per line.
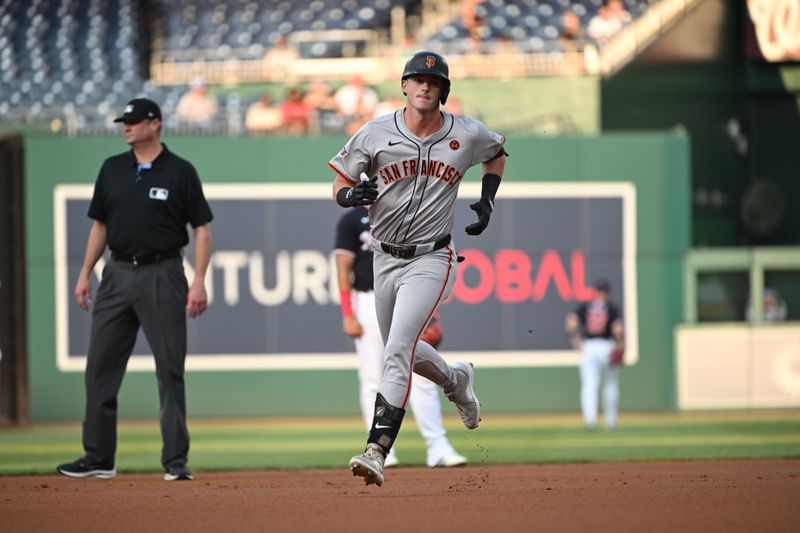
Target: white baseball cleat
369,465
463,395
450,459
391,460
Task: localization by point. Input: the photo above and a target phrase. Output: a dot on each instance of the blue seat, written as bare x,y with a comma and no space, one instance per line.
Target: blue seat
533,25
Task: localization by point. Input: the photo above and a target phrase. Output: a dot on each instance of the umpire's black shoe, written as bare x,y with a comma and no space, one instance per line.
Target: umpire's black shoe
87,467
179,472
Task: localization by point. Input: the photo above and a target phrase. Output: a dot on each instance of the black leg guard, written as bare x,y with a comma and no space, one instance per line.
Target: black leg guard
385,424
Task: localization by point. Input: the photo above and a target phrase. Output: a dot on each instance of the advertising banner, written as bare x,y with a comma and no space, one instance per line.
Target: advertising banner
272,279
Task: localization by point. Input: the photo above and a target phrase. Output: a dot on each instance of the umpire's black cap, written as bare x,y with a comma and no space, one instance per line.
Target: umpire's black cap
140,109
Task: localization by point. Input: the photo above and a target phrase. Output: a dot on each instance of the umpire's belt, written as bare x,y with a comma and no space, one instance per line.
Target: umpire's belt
145,258
407,251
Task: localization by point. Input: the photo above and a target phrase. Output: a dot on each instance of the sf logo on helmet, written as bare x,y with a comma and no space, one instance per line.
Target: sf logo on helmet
430,61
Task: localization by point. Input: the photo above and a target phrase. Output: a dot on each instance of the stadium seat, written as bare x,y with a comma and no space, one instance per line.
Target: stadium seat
79,60
528,25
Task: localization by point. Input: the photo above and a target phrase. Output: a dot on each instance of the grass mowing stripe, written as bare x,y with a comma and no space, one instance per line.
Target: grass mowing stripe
591,441
502,439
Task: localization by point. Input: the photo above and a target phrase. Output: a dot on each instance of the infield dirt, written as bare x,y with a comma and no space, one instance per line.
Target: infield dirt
708,496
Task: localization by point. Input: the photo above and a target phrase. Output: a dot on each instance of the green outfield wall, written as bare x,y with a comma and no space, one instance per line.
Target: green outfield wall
657,164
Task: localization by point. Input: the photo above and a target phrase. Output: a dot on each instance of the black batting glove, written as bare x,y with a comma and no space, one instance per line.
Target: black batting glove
363,193
483,208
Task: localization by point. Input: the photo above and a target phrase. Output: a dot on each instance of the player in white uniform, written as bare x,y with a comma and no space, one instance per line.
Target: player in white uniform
595,328
354,274
407,166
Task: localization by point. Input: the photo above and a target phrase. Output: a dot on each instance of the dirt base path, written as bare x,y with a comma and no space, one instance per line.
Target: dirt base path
708,496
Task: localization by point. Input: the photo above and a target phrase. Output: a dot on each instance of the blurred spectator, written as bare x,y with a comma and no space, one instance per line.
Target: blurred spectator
356,102
197,107
617,9
571,40
774,307
471,15
278,59
319,95
324,114
605,24
474,21
571,37
391,104
453,105
262,116
296,113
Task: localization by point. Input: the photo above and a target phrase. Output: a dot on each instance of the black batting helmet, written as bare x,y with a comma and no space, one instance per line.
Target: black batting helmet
429,63
602,285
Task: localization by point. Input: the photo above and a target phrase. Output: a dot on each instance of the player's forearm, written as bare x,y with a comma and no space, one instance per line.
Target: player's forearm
571,324
95,246
492,174
344,266
617,331
202,252
495,166
338,184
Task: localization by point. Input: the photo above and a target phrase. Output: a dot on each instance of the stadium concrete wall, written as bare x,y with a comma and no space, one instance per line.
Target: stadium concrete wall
655,164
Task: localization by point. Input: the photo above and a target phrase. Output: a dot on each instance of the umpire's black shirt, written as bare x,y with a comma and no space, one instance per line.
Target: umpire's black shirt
146,210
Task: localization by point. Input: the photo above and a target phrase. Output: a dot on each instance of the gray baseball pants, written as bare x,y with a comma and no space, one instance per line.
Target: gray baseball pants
152,297
407,292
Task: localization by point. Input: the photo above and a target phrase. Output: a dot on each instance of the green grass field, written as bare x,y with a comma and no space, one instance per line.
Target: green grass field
277,443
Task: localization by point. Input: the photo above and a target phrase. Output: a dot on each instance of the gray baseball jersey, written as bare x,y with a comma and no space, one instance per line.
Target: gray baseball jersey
418,182
418,179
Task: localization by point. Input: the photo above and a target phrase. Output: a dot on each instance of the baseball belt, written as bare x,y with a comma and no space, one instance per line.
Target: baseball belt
407,251
145,258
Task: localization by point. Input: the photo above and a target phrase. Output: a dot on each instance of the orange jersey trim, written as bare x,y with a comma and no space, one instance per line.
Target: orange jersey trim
342,174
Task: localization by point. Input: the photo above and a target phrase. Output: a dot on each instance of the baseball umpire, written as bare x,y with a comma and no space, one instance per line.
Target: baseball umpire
143,200
407,166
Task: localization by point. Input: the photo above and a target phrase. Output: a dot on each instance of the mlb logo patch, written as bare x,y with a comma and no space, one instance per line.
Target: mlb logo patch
157,193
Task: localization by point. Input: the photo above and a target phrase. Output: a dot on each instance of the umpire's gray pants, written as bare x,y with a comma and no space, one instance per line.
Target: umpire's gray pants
154,297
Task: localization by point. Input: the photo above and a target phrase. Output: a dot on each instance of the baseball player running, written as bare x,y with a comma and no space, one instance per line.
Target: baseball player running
407,166
354,273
